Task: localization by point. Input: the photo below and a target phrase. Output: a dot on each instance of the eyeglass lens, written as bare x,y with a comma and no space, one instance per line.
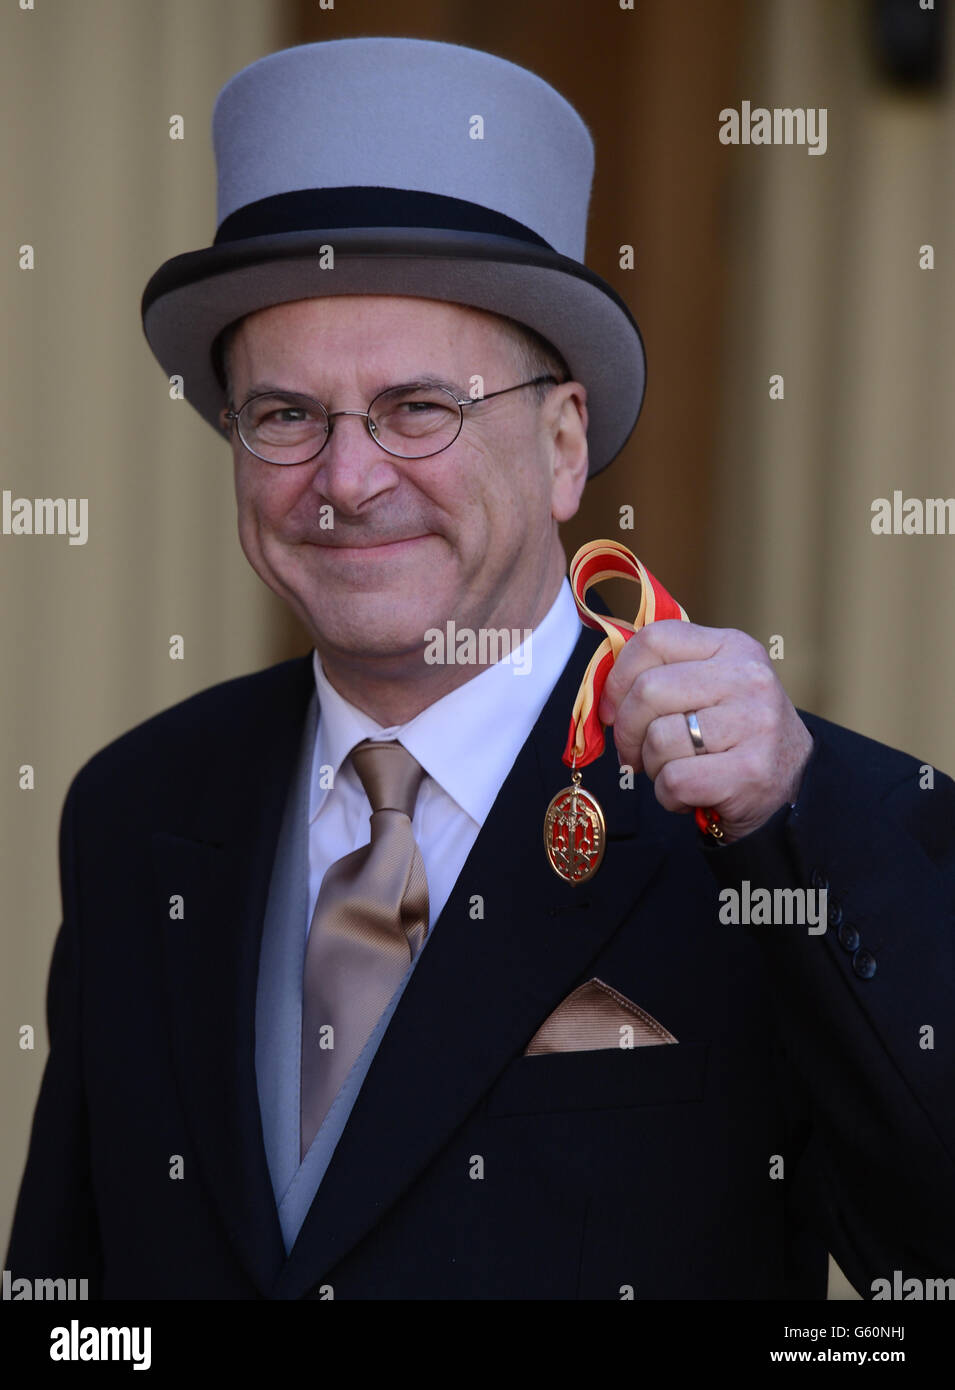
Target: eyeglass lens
409,421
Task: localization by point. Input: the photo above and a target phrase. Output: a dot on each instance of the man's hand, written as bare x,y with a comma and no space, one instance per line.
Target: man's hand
757,747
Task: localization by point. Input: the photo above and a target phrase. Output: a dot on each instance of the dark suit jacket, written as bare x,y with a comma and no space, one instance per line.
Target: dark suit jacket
647,1169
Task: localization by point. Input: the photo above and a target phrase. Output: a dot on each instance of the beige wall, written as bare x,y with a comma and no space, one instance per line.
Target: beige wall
825,288
749,262
93,182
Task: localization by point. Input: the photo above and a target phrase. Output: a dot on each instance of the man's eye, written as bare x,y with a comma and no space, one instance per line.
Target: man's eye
288,415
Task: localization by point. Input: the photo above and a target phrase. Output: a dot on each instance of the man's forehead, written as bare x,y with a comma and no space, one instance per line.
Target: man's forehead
388,317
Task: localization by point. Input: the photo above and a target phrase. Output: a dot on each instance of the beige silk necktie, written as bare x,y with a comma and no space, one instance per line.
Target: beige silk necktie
370,921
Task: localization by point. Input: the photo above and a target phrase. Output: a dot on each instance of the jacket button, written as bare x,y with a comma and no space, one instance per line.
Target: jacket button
863,963
819,881
835,914
849,938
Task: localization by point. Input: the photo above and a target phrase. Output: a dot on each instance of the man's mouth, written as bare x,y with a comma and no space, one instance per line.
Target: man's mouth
370,543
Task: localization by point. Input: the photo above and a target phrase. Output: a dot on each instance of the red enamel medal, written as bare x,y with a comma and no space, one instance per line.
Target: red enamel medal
574,828
574,833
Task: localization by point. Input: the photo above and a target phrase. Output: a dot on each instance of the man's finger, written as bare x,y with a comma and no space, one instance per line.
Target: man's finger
685,783
660,690
668,737
660,644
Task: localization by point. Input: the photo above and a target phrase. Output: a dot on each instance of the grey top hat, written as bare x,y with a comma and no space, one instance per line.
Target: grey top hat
368,145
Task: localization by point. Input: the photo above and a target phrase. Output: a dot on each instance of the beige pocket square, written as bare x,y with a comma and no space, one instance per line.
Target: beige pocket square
594,1017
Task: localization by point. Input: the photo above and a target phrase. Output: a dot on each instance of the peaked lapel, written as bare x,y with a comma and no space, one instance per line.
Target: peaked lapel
482,986
218,856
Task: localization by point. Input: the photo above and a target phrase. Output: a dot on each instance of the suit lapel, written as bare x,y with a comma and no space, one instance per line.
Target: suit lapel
218,858
483,985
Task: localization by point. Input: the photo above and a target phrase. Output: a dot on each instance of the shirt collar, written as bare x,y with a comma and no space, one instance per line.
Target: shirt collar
468,740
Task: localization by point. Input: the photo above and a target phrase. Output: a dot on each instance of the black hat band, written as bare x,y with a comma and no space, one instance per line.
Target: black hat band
311,209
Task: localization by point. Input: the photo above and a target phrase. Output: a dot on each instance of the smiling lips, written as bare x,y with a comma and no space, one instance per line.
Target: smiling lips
370,544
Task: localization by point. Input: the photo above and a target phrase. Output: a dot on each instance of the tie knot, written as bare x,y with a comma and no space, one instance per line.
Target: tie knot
389,774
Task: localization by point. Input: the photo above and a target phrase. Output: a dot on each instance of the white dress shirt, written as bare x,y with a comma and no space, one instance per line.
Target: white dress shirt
466,742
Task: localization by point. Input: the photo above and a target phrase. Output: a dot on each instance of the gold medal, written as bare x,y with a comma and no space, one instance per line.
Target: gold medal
575,834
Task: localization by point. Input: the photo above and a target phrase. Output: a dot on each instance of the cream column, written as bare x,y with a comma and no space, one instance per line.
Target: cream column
95,185
826,290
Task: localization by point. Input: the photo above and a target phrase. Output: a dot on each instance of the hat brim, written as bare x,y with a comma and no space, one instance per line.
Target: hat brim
193,297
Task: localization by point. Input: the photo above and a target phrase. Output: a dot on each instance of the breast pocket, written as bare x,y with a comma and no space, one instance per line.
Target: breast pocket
611,1078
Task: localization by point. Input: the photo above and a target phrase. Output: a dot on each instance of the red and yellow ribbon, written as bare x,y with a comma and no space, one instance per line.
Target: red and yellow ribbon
610,560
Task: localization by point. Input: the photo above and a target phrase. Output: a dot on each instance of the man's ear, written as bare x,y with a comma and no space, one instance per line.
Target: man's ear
570,455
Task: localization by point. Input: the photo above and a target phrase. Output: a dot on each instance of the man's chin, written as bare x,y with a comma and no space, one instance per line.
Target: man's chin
371,605
375,631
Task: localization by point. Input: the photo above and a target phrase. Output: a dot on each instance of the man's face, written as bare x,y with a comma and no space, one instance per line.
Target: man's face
469,533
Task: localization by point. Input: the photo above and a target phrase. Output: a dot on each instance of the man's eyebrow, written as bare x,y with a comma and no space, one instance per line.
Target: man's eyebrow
451,386
269,388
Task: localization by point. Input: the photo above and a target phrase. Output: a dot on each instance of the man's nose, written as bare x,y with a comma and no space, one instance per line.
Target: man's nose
352,468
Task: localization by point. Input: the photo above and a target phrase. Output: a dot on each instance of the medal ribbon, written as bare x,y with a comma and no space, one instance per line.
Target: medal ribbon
610,560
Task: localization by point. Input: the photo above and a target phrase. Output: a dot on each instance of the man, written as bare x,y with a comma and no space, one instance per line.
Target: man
324,1020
